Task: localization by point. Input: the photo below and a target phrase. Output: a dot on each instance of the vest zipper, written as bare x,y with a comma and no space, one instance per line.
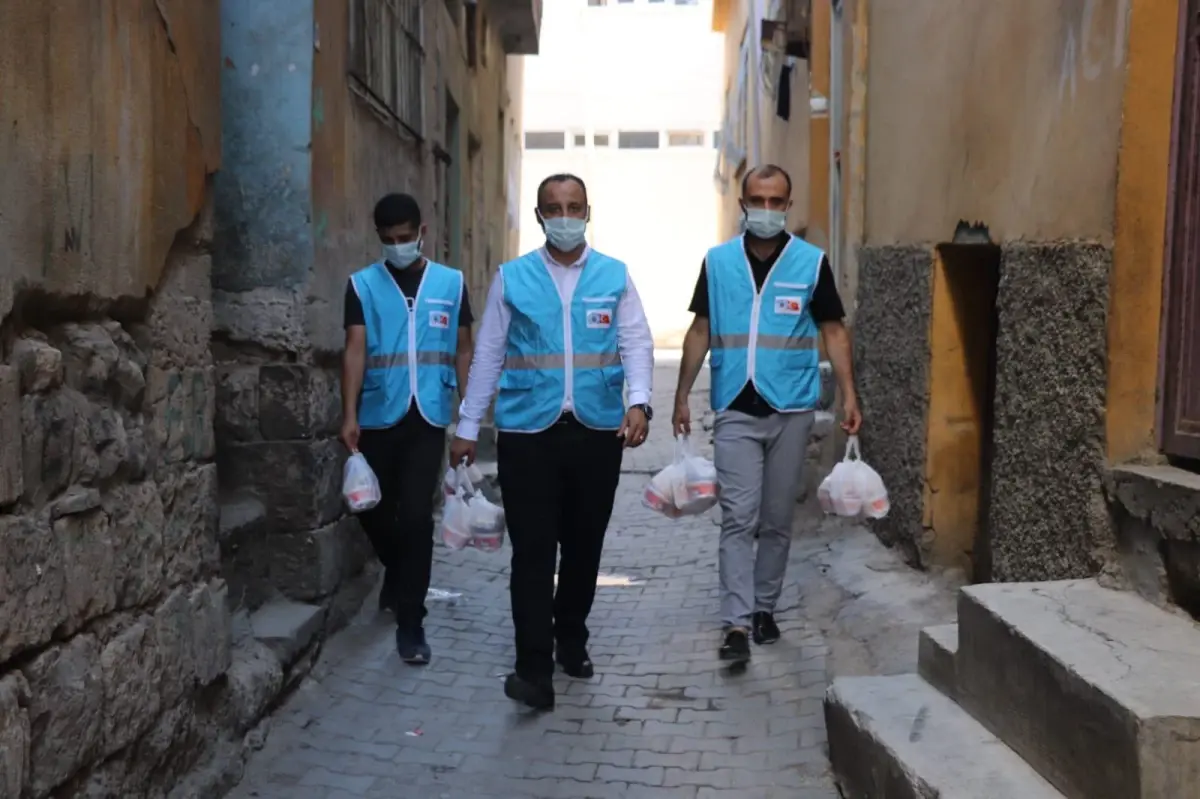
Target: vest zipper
756,306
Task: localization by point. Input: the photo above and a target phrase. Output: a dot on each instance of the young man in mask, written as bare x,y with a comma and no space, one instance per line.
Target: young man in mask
759,304
408,348
562,334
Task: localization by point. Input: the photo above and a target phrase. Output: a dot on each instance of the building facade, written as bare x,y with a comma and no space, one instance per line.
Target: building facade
624,95
1015,246
186,188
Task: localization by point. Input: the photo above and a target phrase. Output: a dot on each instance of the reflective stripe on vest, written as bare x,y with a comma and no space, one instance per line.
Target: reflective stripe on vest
534,380
398,338
767,337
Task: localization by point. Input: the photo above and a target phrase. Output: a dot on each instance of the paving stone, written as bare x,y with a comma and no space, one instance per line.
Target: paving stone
661,720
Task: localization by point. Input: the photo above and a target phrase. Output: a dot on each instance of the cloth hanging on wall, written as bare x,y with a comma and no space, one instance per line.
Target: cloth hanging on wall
783,93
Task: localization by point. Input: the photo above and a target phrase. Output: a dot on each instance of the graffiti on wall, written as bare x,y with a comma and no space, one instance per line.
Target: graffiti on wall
1084,51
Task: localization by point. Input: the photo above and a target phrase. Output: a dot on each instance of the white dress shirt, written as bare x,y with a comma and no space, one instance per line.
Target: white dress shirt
634,341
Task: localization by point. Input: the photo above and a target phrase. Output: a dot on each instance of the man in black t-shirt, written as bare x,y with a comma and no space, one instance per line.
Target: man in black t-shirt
403,436
759,302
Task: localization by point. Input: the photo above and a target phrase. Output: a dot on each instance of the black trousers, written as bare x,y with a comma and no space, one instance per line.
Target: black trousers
407,459
558,488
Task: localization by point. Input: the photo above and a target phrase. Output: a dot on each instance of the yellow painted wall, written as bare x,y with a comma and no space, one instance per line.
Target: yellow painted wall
1136,289
818,129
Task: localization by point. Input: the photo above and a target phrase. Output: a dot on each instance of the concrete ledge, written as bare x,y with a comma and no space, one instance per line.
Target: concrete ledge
898,738
287,628
936,651
1097,689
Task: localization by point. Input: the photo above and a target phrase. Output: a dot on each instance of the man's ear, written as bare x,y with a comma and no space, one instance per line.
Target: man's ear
537,214
588,216
423,233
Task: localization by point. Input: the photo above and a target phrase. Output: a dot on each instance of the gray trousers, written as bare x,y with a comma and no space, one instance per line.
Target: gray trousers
759,465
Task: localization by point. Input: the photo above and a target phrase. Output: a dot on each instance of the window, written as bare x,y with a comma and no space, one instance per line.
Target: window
597,3
687,2
716,140
387,58
579,139
545,140
600,140
685,138
638,140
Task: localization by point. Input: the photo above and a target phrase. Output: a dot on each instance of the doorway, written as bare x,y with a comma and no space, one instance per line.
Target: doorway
452,227
962,380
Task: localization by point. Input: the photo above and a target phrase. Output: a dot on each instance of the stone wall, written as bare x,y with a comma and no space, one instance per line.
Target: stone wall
891,360
1047,517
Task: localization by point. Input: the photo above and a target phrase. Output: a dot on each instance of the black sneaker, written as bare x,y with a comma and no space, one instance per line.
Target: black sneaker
576,664
736,648
537,694
765,630
410,643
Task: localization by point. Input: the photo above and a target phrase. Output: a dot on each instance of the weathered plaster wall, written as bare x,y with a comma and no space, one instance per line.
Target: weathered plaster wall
110,127
891,355
263,248
1048,518
1141,206
1030,149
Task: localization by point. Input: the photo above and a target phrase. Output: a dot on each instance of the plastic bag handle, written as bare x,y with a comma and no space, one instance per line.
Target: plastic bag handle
852,449
683,448
463,485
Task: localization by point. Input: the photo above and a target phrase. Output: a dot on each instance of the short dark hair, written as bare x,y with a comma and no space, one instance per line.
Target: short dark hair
397,209
561,177
766,171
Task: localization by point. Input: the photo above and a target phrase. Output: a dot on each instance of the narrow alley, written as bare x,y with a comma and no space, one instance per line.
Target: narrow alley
662,717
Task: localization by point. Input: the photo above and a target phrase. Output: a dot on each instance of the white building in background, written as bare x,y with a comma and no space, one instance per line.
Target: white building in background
628,95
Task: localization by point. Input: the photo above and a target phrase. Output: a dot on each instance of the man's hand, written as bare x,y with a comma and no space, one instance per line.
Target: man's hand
851,416
461,451
681,419
634,427
349,434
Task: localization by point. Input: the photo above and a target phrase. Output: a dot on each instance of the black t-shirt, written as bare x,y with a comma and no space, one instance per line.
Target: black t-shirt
824,306
409,280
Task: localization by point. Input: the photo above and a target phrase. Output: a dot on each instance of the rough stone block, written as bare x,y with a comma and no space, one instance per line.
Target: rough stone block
173,635
287,401
56,443
287,628
66,712
183,404
32,584
136,527
211,630
1094,687
255,678
189,496
237,403
12,477
90,355
14,735
935,657
90,563
41,365
327,402
299,482
241,515
897,737
133,665
270,318
181,316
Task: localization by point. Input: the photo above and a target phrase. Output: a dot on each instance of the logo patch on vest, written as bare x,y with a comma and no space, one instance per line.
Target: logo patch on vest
599,318
790,306
439,319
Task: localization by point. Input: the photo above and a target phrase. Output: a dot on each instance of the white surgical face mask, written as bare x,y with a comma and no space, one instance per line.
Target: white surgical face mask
764,223
403,255
565,232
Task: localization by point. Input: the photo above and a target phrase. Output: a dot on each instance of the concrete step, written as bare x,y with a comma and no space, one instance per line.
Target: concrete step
1098,689
240,514
936,651
287,628
899,738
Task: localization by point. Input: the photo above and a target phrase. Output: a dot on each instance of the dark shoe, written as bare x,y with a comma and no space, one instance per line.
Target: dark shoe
537,694
410,643
765,630
577,664
736,648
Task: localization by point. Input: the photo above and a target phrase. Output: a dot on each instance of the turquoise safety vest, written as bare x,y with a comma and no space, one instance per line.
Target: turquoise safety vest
544,338
403,333
768,337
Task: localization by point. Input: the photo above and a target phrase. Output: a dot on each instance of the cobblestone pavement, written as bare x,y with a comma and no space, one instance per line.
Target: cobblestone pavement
662,718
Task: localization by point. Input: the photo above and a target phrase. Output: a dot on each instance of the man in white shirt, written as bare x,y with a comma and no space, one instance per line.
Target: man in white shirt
563,331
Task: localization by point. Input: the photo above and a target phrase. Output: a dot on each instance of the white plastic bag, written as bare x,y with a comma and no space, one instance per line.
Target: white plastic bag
687,487
469,519
853,489
360,486
450,481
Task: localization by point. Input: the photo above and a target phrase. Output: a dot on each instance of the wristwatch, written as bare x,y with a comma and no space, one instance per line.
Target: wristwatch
644,408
